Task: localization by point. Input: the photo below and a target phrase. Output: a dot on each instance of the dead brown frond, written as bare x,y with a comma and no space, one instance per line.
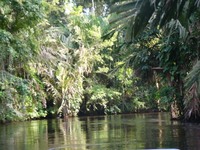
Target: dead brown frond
192,102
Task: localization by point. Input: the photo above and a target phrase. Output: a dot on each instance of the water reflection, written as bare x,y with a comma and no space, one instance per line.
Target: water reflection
117,132
23,136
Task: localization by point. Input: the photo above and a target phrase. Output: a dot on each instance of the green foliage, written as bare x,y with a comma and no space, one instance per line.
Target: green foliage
53,50
16,15
70,51
17,100
18,46
103,99
18,30
177,41
165,95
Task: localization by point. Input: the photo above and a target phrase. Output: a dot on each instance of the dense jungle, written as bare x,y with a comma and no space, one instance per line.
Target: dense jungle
65,58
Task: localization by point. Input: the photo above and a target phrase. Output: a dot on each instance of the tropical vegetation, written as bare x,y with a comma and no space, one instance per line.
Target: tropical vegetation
67,58
175,28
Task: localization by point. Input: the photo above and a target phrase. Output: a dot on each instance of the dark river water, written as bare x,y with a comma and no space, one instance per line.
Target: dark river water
115,132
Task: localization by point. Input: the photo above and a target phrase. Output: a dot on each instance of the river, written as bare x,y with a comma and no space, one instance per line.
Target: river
114,132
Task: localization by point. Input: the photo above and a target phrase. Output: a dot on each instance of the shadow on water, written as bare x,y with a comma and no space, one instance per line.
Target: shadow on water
115,132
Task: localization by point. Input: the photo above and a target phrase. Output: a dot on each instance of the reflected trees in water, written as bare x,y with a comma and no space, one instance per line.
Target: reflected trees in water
137,131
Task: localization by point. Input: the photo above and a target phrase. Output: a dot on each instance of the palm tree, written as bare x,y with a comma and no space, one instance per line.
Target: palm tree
135,15
173,18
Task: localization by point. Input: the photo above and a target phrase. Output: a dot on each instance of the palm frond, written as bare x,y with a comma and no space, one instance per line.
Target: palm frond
143,16
192,104
123,16
126,7
174,26
138,14
193,76
192,98
133,16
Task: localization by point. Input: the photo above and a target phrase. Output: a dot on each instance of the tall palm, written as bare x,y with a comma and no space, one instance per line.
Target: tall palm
135,16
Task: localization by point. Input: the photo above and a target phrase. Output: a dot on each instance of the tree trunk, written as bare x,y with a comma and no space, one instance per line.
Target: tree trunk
65,111
177,107
174,111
